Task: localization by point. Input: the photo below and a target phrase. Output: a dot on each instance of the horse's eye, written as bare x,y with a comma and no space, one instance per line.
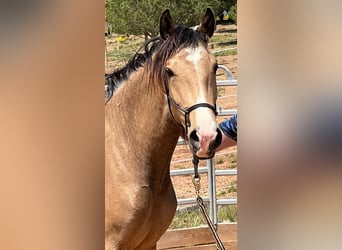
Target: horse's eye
169,72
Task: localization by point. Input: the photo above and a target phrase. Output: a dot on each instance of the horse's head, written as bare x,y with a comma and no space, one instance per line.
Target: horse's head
189,75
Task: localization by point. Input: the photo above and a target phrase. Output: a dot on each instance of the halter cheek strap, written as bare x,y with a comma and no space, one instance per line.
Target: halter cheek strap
185,111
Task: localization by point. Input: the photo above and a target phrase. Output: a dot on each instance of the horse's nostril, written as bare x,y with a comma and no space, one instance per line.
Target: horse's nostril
194,141
193,136
214,144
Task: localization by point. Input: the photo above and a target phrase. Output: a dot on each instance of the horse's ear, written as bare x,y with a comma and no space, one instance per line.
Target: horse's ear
208,23
166,25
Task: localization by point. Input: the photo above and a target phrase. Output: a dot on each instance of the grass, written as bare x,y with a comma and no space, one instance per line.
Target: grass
232,188
192,217
231,158
226,52
222,38
219,160
221,41
117,55
223,192
227,213
221,90
187,218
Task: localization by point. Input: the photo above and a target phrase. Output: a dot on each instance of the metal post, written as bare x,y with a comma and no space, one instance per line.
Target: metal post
212,191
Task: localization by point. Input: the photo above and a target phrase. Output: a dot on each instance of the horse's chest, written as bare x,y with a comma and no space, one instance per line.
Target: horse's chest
154,205
153,212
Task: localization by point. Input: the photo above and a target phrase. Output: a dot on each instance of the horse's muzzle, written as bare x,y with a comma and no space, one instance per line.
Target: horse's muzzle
204,150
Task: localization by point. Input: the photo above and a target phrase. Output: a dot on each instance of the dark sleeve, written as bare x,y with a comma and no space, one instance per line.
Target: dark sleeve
229,127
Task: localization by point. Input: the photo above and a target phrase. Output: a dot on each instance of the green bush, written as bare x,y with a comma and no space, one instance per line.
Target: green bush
142,17
233,13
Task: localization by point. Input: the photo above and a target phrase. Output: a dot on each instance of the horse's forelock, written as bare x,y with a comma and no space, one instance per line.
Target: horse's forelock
183,37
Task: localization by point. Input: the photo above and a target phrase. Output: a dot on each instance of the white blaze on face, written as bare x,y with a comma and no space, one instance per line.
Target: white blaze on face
194,55
205,119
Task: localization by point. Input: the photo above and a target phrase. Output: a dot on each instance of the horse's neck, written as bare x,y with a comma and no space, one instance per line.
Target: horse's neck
139,118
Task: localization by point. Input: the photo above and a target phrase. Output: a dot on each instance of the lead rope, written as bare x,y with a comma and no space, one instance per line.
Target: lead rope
196,180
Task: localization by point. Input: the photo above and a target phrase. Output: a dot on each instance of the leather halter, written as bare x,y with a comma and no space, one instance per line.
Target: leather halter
185,111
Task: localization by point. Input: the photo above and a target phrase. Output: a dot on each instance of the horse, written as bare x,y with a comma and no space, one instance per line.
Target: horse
168,90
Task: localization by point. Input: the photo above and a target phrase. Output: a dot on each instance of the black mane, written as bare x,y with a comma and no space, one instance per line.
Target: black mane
114,79
164,49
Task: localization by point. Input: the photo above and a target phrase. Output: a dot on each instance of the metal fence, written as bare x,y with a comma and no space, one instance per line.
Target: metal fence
210,168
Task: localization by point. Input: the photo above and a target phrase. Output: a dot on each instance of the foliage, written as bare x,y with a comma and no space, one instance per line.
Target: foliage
233,13
225,5
142,17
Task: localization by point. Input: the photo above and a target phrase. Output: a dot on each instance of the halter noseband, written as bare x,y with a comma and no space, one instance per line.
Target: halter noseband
185,111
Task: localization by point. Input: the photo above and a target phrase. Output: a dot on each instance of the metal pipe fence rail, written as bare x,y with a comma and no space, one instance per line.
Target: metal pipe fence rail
210,168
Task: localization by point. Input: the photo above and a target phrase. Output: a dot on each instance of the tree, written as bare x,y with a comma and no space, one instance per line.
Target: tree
142,17
226,5
232,13
229,6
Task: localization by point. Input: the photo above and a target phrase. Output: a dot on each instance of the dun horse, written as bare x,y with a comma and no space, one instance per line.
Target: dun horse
167,91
